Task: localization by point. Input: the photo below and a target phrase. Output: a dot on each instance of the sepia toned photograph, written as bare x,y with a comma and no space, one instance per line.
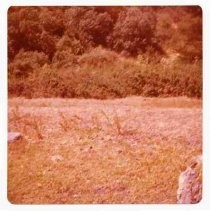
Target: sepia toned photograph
105,105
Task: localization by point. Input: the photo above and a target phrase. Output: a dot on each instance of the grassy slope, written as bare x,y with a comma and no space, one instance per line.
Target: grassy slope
128,150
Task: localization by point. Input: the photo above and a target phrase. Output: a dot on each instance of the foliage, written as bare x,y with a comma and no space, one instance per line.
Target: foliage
133,31
105,52
102,74
26,62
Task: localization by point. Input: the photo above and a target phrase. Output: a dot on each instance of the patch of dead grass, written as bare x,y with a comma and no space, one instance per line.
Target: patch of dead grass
97,163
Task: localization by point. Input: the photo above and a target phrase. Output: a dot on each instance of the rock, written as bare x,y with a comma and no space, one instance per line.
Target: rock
13,136
190,183
56,158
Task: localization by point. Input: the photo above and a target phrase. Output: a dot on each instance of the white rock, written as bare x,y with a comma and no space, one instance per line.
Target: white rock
190,183
56,158
13,136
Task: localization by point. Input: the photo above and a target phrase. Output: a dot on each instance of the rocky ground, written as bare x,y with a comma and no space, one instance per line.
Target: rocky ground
128,150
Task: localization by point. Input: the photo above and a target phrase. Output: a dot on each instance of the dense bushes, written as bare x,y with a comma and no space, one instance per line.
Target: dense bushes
26,62
104,74
102,52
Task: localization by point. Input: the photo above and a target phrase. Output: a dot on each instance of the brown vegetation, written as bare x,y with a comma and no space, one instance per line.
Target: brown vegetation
101,151
122,51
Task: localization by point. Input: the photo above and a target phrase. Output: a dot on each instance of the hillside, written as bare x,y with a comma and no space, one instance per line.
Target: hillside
122,51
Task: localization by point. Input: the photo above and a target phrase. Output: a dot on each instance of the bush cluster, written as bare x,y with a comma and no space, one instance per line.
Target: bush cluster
104,74
104,52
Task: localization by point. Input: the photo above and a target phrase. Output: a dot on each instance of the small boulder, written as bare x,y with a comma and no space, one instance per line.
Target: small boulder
56,158
190,183
13,136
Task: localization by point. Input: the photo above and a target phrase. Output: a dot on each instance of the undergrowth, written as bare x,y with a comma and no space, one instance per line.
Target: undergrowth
95,76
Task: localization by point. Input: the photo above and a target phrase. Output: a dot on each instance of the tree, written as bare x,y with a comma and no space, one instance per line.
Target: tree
51,19
88,26
133,31
189,34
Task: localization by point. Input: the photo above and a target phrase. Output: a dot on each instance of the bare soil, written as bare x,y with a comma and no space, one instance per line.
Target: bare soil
129,150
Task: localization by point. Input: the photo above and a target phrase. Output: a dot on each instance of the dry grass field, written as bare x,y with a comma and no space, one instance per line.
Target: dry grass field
129,150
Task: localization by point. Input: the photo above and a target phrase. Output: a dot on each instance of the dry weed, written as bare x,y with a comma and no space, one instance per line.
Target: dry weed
69,123
35,124
96,122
